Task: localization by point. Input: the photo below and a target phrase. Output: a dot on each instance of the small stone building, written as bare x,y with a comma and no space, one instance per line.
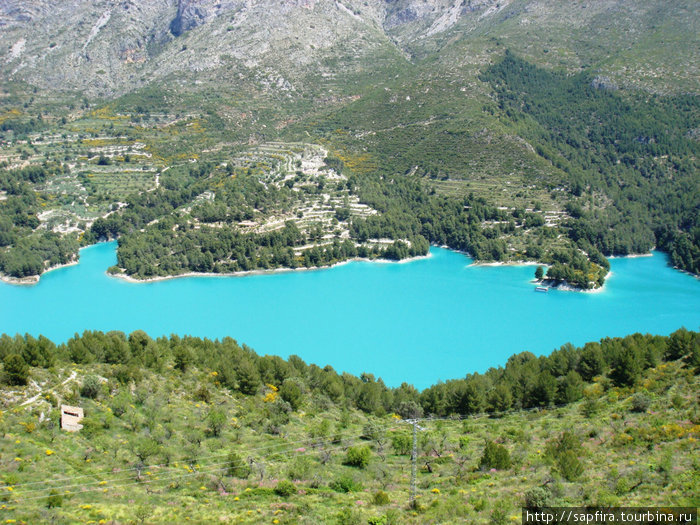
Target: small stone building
71,417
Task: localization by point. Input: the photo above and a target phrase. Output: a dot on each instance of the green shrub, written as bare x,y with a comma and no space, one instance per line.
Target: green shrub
16,370
54,499
10,479
538,497
495,456
291,392
91,387
120,403
567,442
499,516
565,452
217,420
622,486
202,394
91,426
348,517
402,444
345,484
285,488
479,504
569,465
143,512
51,399
380,498
72,397
590,407
640,402
125,374
237,466
300,468
358,457
677,401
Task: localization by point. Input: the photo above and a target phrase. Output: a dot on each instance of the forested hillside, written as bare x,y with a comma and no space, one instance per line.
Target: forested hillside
638,150
194,429
514,131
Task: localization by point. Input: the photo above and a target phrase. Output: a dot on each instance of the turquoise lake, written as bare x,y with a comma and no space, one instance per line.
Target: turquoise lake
421,321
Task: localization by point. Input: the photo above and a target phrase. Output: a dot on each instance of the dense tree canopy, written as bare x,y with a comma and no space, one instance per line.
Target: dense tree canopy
526,381
636,148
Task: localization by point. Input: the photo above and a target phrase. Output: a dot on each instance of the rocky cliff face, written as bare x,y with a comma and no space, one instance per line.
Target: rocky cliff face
108,47
18,12
194,13
188,17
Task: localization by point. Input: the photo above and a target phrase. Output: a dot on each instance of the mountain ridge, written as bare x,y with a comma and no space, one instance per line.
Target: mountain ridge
110,47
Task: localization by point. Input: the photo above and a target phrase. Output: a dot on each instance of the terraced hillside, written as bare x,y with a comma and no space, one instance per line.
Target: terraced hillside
411,100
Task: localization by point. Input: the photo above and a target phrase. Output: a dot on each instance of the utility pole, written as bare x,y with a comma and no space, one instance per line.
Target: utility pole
414,456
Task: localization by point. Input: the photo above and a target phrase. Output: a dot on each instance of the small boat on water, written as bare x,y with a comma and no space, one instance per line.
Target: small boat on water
541,289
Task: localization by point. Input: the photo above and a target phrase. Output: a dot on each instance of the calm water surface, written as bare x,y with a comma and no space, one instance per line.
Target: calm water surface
421,321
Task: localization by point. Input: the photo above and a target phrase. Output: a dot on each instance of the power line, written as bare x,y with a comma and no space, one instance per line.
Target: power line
284,449
190,460
414,455
310,440
414,449
212,468
209,468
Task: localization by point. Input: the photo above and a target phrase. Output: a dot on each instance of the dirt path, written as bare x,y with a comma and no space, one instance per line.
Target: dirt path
41,392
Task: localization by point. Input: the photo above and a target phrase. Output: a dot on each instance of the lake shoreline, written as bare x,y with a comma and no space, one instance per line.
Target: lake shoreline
272,271
550,283
565,287
32,280
508,263
35,279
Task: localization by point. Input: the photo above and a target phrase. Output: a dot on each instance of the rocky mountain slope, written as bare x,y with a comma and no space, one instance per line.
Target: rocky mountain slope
109,47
